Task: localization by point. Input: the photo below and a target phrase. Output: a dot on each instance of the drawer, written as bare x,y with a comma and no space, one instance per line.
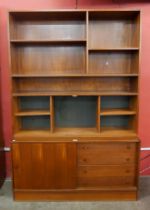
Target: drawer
106,176
106,153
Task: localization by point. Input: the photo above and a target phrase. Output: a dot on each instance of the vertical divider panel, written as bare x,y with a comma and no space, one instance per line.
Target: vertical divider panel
87,41
51,113
134,106
16,125
98,112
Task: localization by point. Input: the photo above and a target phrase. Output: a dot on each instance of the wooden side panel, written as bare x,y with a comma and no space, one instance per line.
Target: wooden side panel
44,165
2,153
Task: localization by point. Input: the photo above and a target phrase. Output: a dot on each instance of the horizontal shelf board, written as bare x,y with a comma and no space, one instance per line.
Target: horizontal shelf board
67,41
105,112
75,75
32,113
79,134
115,49
76,93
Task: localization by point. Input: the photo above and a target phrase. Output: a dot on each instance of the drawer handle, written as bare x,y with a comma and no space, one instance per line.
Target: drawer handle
75,140
128,147
127,159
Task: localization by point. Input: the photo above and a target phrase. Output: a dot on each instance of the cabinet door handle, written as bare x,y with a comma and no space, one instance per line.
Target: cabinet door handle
75,140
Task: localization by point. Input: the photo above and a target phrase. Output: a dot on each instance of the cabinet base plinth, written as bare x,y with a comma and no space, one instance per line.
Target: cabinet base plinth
74,195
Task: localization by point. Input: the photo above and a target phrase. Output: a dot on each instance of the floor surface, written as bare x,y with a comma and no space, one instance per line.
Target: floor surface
7,203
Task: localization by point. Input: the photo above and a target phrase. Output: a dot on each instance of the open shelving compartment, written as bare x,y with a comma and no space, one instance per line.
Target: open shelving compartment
48,26
114,30
38,37
32,113
118,114
70,58
76,115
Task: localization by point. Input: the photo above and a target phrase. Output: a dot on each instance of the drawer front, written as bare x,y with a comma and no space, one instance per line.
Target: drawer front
106,153
103,176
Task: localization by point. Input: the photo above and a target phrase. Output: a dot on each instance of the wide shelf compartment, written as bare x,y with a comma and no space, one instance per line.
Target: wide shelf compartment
75,86
56,58
67,25
75,112
110,29
113,62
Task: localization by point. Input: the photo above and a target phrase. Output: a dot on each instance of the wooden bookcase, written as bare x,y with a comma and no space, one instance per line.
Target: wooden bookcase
75,81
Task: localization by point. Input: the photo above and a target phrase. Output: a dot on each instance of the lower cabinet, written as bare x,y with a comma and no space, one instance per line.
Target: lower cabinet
74,168
44,165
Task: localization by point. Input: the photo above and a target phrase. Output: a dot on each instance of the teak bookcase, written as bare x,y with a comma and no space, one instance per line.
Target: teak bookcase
75,104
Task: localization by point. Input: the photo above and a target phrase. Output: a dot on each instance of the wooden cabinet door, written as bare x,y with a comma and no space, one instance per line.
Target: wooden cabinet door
44,165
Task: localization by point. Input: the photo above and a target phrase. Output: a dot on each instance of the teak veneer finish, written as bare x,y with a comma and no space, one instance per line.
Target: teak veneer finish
75,87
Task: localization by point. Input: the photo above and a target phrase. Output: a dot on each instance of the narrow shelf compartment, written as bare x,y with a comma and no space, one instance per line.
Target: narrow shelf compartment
32,106
34,122
118,105
117,122
105,112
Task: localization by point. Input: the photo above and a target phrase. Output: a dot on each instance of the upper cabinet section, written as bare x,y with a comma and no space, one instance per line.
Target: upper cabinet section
48,26
114,30
75,43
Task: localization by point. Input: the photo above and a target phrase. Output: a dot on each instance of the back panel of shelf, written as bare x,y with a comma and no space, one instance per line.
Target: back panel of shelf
113,62
48,59
75,111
